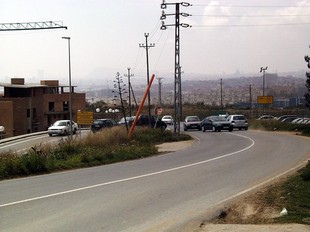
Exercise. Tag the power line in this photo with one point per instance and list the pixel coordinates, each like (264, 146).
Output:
(255, 25)
(244, 6)
(250, 16)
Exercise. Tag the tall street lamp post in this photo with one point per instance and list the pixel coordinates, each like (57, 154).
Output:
(70, 88)
(262, 69)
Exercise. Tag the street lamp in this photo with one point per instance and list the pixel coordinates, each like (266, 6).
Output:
(70, 96)
(263, 70)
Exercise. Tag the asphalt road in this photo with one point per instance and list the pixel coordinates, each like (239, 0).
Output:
(152, 194)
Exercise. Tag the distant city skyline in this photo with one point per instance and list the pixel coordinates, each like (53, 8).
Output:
(225, 38)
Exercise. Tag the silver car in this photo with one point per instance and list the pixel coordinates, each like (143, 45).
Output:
(238, 121)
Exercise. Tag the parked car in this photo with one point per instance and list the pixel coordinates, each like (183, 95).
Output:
(297, 120)
(216, 123)
(285, 116)
(289, 119)
(266, 117)
(129, 120)
(155, 122)
(238, 121)
(192, 122)
(168, 119)
(62, 127)
(102, 123)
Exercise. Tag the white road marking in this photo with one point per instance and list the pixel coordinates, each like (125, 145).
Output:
(133, 178)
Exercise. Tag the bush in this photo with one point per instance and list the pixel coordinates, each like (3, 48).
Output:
(305, 174)
(108, 146)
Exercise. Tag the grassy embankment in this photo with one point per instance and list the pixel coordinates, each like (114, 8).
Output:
(108, 146)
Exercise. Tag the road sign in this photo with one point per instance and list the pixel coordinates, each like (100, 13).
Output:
(85, 117)
(264, 99)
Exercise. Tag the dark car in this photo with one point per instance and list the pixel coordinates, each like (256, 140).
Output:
(154, 122)
(216, 123)
(192, 122)
(100, 124)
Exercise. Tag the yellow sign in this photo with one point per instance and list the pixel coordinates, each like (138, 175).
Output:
(264, 99)
(85, 117)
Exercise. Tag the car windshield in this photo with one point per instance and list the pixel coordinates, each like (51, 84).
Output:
(60, 123)
(239, 117)
(217, 118)
(192, 119)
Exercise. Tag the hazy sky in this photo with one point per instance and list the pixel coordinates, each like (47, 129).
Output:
(226, 37)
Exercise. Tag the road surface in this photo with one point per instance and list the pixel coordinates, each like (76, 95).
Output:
(159, 193)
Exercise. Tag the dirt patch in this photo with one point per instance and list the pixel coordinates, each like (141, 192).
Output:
(253, 212)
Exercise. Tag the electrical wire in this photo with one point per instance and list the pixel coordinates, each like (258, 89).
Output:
(244, 6)
(255, 25)
(250, 16)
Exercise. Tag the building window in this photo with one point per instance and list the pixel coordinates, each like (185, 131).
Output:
(65, 106)
(51, 106)
(28, 113)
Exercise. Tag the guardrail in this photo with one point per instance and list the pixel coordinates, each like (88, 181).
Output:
(21, 136)
(28, 135)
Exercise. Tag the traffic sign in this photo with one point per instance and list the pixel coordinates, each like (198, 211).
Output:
(264, 99)
(85, 117)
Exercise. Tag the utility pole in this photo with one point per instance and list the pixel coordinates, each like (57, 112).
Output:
(263, 70)
(147, 46)
(177, 66)
(221, 94)
(159, 90)
(251, 109)
(129, 89)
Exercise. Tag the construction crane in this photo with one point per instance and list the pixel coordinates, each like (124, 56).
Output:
(31, 26)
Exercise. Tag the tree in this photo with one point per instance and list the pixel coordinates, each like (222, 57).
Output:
(307, 94)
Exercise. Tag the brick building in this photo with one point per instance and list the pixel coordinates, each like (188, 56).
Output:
(28, 108)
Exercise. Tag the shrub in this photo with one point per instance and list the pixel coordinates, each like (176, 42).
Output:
(305, 174)
(108, 146)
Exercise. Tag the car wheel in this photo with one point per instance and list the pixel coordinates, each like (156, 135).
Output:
(219, 130)
(239, 128)
(74, 131)
(65, 132)
(185, 129)
(246, 128)
(203, 129)
(230, 129)
(199, 128)
(50, 135)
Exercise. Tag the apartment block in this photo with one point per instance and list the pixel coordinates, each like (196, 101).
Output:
(27, 108)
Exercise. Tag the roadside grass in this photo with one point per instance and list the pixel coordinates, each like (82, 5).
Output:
(294, 195)
(264, 206)
(105, 147)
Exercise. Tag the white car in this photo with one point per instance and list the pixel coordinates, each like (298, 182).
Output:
(168, 119)
(62, 127)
